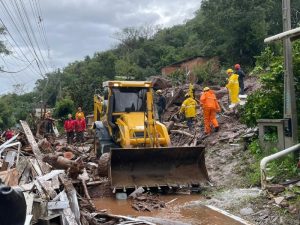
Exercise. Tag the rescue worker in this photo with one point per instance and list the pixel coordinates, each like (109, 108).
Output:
(9, 134)
(80, 126)
(210, 106)
(69, 126)
(188, 107)
(161, 105)
(79, 113)
(233, 87)
(241, 74)
(49, 122)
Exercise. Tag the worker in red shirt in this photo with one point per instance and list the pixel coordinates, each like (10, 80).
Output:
(9, 134)
(80, 127)
(69, 126)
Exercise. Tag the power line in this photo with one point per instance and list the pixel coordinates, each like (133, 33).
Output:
(18, 70)
(41, 22)
(18, 30)
(35, 71)
(18, 59)
(38, 19)
(39, 62)
(33, 34)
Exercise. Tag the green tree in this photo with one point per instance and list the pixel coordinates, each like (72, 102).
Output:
(3, 49)
(6, 118)
(267, 102)
(233, 29)
(64, 107)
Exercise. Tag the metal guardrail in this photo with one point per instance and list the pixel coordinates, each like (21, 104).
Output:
(264, 162)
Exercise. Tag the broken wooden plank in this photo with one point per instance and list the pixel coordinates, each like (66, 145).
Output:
(72, 196)
(55, 182)
(68, 215)
(9, 177)
(28, 219)
(40, 190)
(26, 187)
(58, 205)
(47, 188)
(35, 148)
(182, 132)
(29, 202)
(36, 167)
(52, 174)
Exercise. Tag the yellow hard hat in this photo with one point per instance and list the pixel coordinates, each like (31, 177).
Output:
(206, 89)
(229, 71)
(158, 91)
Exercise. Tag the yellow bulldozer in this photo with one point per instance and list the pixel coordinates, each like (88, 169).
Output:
(134, 149)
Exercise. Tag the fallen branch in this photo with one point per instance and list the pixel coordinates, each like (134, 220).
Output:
(182, 132)
(86, 192)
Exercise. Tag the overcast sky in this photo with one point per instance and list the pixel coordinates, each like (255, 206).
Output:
(76, 28)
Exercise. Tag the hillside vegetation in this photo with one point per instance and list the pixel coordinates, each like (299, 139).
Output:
(233, 30)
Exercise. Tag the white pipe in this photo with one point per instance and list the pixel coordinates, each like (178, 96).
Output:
(264, 161)
(10, 145)
(9, 141)
(286, 34)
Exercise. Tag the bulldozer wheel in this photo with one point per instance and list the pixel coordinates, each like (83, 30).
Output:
(103, 165)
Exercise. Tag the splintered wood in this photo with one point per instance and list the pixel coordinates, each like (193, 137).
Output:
(35, 148)
(147, 202)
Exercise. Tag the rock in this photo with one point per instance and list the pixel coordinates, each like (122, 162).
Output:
(278, 200)
(138, 191)
(289, 196)
(298, 184)
(246, 211)
(284, 204)
(161, 83)
(275, 189)
(263, 217)
(293, 209)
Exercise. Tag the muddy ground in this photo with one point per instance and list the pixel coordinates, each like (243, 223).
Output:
(227, 160)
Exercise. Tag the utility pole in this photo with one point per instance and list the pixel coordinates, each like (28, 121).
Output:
(290, 111)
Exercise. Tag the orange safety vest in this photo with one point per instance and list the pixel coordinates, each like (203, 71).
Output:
(209, 100)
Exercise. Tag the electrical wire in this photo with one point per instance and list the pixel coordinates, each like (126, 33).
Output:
(1, 70)
(33, 34)
(8, 12)
(13, 39)
(28, 34)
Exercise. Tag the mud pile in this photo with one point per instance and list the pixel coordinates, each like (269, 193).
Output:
(230, 127)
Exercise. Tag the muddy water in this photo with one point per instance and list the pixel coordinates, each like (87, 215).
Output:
(179, 210)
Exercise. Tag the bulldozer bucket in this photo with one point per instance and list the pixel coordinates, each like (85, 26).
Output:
(157, 167)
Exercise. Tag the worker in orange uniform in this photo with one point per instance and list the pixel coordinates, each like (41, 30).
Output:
(79, 113)
(188, 107)
(233, 87)
(210, 106)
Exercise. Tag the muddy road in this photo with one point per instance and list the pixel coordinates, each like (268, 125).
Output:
(183, 209)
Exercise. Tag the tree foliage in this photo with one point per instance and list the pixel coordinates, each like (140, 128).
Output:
(267, 102)
(3, 48)
(64, 107)
(233, 30)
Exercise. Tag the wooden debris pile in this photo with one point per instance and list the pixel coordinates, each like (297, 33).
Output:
(147, 202)
(231, 130)
(56, 180)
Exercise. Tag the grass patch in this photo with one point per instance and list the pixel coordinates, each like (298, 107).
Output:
(281, 169)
